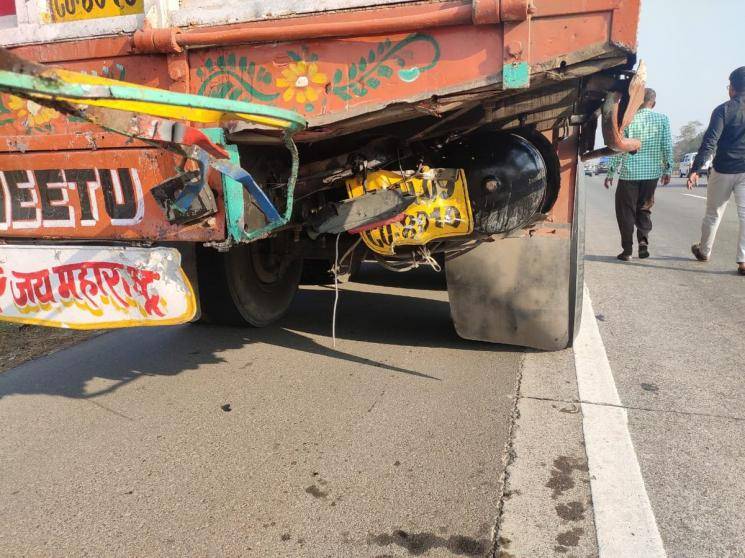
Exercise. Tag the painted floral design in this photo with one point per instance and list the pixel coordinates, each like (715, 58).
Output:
(302, 82)
(30, 114)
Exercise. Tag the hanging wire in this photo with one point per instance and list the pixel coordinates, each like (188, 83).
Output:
(335, 271)
(412, 263)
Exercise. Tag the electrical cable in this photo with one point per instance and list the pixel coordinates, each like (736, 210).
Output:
(335, 271)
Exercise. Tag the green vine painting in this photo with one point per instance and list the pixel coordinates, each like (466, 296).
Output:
(4, 113)
(302, 83)
(378, 65)
(228, 78)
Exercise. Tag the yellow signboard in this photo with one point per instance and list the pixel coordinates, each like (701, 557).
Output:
(442, 208)
(73, 10)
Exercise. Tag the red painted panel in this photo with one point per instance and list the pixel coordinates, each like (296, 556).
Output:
(7, 7)
(102, 194)
(559, 36)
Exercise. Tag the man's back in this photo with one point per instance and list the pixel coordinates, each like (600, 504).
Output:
(655, 156)
(726, 135)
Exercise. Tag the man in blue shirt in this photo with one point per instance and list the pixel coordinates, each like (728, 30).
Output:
(726, 136)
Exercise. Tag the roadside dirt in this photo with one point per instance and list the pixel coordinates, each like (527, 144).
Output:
(21, 343)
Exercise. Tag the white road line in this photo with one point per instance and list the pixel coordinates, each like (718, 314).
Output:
(695, 196)
(624, 520)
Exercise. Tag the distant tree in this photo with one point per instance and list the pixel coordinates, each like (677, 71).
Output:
(689, 140)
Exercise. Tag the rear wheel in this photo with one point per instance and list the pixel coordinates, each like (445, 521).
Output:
(252, 284)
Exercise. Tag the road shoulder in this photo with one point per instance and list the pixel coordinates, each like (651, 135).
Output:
(547, 504)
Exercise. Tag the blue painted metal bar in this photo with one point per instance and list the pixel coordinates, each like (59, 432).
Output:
(244, 177)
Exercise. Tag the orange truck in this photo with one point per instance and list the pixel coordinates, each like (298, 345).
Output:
(444, 133)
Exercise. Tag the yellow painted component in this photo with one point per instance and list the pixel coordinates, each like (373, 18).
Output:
(205, 116)
(442, 208)
(92, 9)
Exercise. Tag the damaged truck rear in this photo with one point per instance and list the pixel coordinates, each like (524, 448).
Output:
(163, 161)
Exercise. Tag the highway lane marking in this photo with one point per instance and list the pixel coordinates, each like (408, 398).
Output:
(624, 520)
(695, 196)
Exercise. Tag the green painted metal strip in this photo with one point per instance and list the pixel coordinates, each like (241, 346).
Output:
(264, 231)
(232, 190)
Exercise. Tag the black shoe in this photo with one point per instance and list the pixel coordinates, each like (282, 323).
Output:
(643, 251)
(696, 249)
(624, 256)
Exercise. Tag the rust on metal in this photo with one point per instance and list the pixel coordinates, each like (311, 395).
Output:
(636, 90)
(148, 39)
(514, 10)
(388, 19)
(613, 123)
(612, 131)
(486, 12)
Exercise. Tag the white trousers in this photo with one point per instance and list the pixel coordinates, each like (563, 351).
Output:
(718, 192)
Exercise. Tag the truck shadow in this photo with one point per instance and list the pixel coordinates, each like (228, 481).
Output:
(423, 278)
(108, 362)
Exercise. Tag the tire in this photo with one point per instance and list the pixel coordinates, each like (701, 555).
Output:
(252, 284)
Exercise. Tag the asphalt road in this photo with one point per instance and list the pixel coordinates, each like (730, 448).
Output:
(673, 332)
(397, 441)
(389, 445)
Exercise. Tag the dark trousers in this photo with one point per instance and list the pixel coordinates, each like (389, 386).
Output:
(634, 201)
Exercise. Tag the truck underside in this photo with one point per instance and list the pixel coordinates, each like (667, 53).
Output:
(423, 148)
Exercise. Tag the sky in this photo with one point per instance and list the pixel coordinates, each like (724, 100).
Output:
(690, 48)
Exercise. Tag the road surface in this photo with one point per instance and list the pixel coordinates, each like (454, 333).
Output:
(673, 331)
(404, 440)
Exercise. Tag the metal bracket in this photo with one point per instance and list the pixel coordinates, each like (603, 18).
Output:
(237, 182)
(516, 15)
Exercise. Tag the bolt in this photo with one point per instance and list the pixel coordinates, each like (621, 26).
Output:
(515, 48)
(491, 184)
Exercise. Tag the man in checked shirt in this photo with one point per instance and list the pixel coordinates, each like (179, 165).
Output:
(640, 173)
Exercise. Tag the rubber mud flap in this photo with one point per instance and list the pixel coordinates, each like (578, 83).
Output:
(514, 291)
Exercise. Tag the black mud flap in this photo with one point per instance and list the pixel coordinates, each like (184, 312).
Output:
(523, 291)
(513, 291)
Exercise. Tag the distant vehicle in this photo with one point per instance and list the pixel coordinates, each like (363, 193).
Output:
(685, 165)
(590, 168)
(602, 166)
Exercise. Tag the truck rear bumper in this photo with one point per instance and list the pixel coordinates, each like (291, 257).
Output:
(94, 287)
(101, 194)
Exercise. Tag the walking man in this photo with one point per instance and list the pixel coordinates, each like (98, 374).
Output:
(640, 173)
(726, 136)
